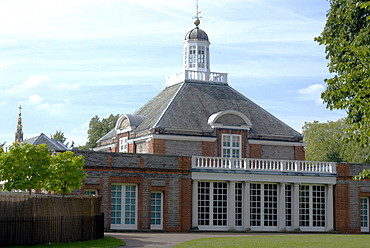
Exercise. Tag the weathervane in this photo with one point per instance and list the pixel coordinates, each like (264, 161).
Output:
(196, 16)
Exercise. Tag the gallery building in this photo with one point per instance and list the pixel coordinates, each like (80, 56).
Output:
(202, 156)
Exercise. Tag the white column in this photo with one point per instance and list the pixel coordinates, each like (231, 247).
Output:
(296, 206)
(281, 208)
(194, 215)
(329, 209)
(246, 205)
(231, 206)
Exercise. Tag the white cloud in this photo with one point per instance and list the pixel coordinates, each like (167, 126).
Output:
(312, 93)
(34, 99)
(54, 109)
(31, 83)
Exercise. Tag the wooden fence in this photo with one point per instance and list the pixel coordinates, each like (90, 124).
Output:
(30, 220)
(48, 205)
(50, 229)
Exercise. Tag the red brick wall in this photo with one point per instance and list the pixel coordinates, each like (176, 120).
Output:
(157, 146)
(185, 204)
(342, 208)
(131, 148)
(111, 169)
(343, 205)
(255, 151)
(299, 153)
(208, 149)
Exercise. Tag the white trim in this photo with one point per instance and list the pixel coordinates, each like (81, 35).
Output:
(134, 121)
(275, 143)
(231, 148)
(364, 214)
(218, 125)
(160, 226)
(123, 145)
(99, 148)
(213, 118)
(172, 137)
(122, 225)
(125, 130)
(262, 178)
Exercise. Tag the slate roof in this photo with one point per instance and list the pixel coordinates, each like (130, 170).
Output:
(188, 105)
(52, 144)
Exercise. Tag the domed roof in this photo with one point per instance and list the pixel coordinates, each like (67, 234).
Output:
(196, 34)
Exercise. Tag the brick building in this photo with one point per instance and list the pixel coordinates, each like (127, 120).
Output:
(200, 155)
(140, 192)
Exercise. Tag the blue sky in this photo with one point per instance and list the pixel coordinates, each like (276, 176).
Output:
(67, 61)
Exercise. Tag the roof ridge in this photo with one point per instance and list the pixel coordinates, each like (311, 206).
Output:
(169, 104)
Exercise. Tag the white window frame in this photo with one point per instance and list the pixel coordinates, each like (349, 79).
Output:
(215, 211)
(309, 206)
(123, 145)
(154, 211)
(118, 201)
(264, 206)
(239, 204)
(289, 205)
(364, 214)
(231, 148)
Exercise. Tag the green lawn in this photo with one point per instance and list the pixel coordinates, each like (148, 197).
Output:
(278, 241)
(107, 242)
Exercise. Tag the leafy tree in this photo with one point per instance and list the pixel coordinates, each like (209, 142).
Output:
(329, 142)
(59, 135)
(362, 175)
(25, 166)
(66, 172)
(98, 128)
(2, 144)
(346, 38)
(324, 141)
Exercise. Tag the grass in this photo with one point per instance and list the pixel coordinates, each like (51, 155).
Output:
(106, 242)
(286, 241)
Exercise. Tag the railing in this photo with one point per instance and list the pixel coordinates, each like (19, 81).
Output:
(16, 231)
(202, 76)
(262, 164)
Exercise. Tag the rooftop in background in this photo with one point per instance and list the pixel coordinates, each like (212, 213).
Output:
(52, 144)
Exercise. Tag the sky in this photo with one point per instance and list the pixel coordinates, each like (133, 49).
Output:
(66, 61)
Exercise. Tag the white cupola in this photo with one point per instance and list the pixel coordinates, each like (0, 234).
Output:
(196, 50)
(196, 60)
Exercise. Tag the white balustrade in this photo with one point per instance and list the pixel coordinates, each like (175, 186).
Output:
(262, 164)
(198, 76)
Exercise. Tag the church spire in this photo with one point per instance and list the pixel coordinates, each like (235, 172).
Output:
(19, 132)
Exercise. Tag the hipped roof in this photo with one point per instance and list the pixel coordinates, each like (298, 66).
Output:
(188, 105)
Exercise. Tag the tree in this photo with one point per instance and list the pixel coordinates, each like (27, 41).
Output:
(98, 128)
(329, 142)
(59, 135)
(2, 144)
(66, 172)
(25, 166)
(346, 38)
